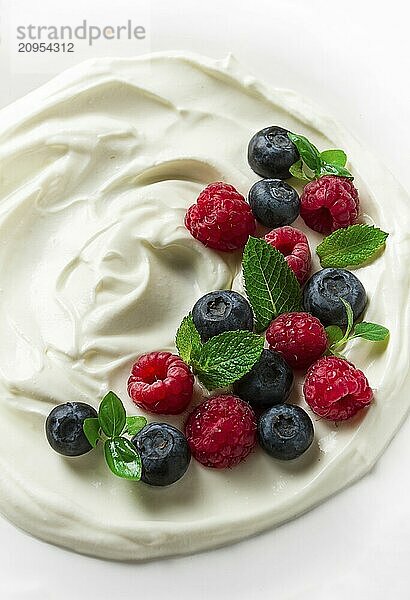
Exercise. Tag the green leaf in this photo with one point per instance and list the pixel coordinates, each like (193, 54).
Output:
(226, 357)
(111, 415)
(135, 424)
(296, 170)
(350, 318)
(334, 169)
(270, 284)
(122, 458)
(187, 341)
(334, 334)
(308, 152)
(91, 428)
(334, 157)
(371, 331)
(351, 246)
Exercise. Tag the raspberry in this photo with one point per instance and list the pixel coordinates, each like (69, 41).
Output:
(221, 218)
(221, 431)
(329, 203)
(335, 389)
(299, 337)
(160, 382)
(294, 245)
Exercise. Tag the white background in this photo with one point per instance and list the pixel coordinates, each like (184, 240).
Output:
(352, 58)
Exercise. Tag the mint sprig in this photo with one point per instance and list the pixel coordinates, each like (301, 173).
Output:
(337, 340)
(120, 454)
(271, 286)
(221, 360)
(352, 246)
(314, 164)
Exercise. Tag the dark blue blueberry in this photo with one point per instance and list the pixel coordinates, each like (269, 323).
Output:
(285, 431)
(271, 153)
(64, 428)
(322, 293)
(164, 452)
(269, 382)
(221, 311)
(274, 202)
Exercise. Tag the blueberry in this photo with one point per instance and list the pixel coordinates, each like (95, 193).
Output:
(64, 428)
(285, 431)
(164, 452)
(271, 153)
(274, 203)
(221, 311)
(322, 293)
(269, 382)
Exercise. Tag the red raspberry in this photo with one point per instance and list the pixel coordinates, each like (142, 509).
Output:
(221, 218)
(329, 203)
(335, 389)
(299, 337)
(160, 382)
(294, 245)
(221, 431)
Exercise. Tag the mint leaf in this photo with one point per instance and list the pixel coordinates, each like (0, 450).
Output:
(270, 284)
(187, 341)
(351, 246)
(350, 318)
(111, 415)
(370, 331)
(91, 428)
(334, 157)
(122, 458)
(226, 357)
(334, 334)
(334, 169)
(308, 152)
(135, 424)
(296, 170)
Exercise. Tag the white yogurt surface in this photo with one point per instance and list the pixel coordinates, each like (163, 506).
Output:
(97, 169)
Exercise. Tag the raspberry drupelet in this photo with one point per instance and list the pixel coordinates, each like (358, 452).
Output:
(161, 383)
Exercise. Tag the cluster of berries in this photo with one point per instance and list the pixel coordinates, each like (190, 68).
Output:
(221, 431)
(223, 220)
(224, 429)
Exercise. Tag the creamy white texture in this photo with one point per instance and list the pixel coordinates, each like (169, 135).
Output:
(97, 169)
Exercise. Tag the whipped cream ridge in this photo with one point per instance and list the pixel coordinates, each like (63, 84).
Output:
(97, 169)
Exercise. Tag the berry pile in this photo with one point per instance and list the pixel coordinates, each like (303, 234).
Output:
(216, 340)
